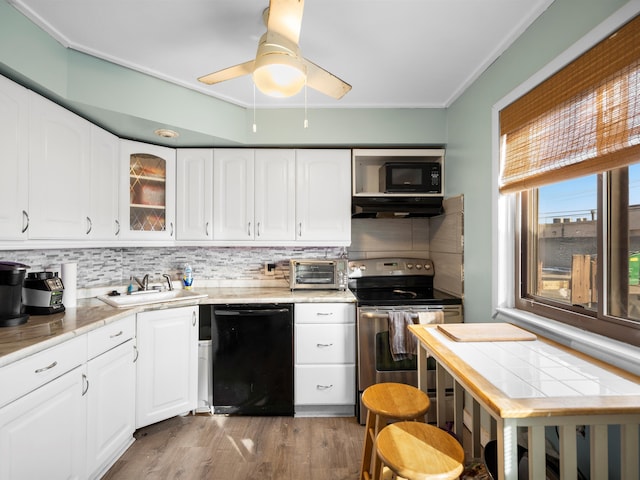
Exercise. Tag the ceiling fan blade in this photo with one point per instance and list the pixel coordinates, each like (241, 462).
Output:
(228, 73)
(285, 18)
(324, 82)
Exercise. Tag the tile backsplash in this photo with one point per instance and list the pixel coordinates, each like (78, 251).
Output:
(439, 238)
(103, 267)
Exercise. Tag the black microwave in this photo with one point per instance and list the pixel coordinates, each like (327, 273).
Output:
(416, 177)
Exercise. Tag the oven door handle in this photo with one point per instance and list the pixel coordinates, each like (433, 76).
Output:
(385, 315)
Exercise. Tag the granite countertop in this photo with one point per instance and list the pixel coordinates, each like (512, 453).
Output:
(44, 331)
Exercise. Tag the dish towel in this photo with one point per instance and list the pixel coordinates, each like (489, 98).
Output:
(430, 317)
(402, 343)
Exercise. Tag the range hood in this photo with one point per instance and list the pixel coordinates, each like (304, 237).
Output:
(395, 206)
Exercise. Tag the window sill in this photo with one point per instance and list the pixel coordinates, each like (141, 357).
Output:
(619, 354)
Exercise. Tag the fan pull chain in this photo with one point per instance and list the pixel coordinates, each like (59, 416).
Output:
(255, 127)
(306, 121)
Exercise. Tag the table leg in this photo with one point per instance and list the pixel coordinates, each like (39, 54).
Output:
(441, 396)
(537, 451)
(476, 444)
(599, 450)
(458, 409)
(422, 368)
(568, 452)
(507, 449)
(629, 450)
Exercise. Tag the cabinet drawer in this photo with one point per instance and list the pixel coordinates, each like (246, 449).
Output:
(111, 335)
(325, 343)
(325, 384)
(325, 313)
(25, 375)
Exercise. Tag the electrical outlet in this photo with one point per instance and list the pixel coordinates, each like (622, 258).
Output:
(269, 269)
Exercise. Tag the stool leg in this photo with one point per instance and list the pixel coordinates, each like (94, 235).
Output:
(376, 469)
(367, 449)
(377, 465)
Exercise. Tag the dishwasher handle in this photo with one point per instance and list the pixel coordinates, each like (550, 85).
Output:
(257, 312)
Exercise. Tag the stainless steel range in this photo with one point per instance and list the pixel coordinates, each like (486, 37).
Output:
(382, 287)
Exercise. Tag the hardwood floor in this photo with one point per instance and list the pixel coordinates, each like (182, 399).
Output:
(244, 448)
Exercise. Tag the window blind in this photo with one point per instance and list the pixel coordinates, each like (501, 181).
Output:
(584, 119)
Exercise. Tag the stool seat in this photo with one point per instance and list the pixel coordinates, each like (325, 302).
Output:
(418, 451)
(396, 400)
(388, 401)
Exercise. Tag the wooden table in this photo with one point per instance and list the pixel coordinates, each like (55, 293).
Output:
(534, 384)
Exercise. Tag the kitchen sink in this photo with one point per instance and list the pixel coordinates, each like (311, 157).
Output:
(149, 297)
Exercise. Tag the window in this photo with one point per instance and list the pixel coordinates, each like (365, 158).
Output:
(579, 252)
(570, 150)
(562, 245)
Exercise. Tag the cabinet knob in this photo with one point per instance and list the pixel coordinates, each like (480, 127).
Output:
(89, 225)
(117, 227)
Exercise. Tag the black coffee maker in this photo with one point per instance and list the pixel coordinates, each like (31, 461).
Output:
(11, 278)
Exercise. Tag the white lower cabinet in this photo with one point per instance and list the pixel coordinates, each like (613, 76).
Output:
(325, 355)
(43, 433)
(111, 375)
(70, 411)
(167, 365)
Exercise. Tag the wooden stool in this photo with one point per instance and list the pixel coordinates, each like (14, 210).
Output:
(418, 451)
(388, 401)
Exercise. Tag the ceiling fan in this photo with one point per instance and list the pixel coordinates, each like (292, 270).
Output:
(279, 69)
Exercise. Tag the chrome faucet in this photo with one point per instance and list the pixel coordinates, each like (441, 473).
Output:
(144, 284)
(168, 278)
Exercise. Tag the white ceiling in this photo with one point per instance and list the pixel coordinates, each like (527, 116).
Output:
(395, 53)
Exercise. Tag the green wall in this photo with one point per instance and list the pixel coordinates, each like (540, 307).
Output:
(469, 139)
(132, 105)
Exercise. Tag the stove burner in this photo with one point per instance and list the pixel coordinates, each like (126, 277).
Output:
(405, 293)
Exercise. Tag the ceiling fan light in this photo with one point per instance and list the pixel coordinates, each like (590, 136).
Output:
(279, 75)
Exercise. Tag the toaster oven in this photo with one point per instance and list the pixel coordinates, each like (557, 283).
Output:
(318, 274)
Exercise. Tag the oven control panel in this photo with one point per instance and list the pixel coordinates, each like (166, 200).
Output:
(390, 266)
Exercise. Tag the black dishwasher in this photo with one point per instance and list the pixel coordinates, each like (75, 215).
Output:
(252, 359)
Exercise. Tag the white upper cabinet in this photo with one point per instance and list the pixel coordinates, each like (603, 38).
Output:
(14, 149)
(105, 162)
(274, 201)
(254, 194)
(323, 196)
(147, 191)
(282, 195)
(194, 208)
(59, 169)
(233, 194)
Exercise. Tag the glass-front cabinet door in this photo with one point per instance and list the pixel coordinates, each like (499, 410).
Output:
(148, 191)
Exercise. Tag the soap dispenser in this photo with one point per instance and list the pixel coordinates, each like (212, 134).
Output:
(187, 277)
